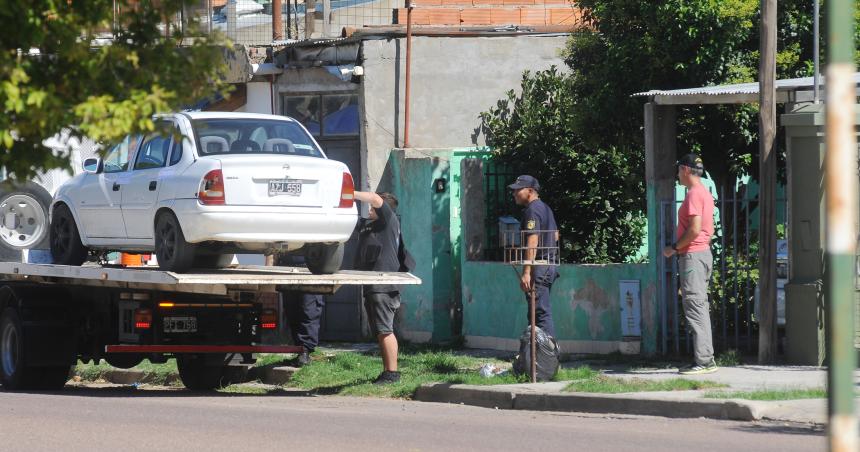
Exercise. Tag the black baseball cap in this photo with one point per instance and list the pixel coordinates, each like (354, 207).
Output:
(691, 161)
(525, 181)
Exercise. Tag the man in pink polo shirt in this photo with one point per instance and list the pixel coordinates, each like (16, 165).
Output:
(695, 263)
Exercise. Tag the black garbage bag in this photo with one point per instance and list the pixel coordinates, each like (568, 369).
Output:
(547, 355)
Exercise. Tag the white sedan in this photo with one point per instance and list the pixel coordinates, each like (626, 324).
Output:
(204, 186)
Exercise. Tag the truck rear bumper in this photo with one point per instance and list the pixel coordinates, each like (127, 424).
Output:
(203, 349)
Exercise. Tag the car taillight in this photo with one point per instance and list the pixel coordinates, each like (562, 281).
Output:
(142, 319)
(212, 188)
(347, 192)
(269, 320)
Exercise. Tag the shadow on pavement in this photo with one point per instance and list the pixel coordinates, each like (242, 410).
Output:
(768, 428)
(134, 391)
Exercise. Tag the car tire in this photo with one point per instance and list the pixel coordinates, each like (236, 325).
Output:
(14, 370)
(66, 246)
(324, 258)
(212, 260)
(27, 206)
(124, 360)
(201, 372)
(172, 251)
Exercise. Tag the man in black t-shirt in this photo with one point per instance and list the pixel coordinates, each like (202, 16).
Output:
(378, 244)
(541, 244)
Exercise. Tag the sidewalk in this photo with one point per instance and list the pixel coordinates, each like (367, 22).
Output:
(551, 396)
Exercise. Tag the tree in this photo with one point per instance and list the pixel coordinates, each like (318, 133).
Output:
(58, 72)
(633, 46)
(592, 190)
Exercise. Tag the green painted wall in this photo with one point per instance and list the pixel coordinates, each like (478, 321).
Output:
(410, 180)
(468, 298)
(585, 300)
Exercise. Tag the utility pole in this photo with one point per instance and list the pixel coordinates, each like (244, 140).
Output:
(767, 342)
(841, 182)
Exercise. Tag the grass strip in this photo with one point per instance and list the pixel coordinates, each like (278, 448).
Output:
(611, 385)
(766, 394)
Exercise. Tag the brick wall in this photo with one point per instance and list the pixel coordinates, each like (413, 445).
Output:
(491, 12)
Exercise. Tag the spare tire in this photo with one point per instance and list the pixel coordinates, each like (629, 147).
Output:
(24, 217)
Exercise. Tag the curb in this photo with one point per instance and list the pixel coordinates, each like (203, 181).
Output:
(737, 410)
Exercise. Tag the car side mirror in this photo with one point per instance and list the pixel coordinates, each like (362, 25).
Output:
(93, 165)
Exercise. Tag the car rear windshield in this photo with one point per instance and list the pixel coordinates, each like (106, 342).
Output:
(252, 136)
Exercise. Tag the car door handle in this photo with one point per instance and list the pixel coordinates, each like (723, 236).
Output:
(152, 185)
(116, 186)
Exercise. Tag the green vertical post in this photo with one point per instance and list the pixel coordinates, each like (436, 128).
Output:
(841, 181)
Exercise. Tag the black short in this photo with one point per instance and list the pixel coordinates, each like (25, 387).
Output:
(381, 308)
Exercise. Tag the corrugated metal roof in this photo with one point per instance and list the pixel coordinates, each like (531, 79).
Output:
(792, 84)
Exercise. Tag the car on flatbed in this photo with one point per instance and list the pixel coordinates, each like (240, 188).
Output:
(206, 185)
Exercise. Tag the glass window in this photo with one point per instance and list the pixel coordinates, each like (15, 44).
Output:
(306, 110)
(153, 153)
(256, 136)
(116, 159)
(176, 153)
(340, 114)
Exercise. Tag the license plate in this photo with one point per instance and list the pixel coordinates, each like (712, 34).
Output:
(285, 187)
(180, 324)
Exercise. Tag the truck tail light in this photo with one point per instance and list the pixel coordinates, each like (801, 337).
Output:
(212, 188)
(269, 320)
(142, 319)
(347, 192)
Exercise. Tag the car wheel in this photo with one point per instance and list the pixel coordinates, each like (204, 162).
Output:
(200, 372)
(14, 371)
(324, 258)
(24, 217)
(66, 246)
(212, 260)
(172, 251)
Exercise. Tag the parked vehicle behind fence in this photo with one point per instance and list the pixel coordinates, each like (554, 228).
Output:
(204, 186)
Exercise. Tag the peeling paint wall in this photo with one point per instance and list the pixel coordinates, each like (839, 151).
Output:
(585, 300)
(478, 299)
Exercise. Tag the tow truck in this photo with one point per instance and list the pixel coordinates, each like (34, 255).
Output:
(51, 316)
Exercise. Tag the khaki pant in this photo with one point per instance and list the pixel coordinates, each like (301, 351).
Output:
(695, 272)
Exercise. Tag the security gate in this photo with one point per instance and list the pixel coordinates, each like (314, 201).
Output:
(732, 289)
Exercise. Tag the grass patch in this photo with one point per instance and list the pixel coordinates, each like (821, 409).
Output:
(610, 385)
(264, 360)
(350, 373)
(247, 389)
(764, 394)
(728, 358)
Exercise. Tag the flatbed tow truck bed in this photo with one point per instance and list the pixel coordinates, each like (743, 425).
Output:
(220, 281)
(51, 316)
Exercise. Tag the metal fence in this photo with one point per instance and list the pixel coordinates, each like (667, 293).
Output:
(499, 203)
(732, 292)
(253, 22)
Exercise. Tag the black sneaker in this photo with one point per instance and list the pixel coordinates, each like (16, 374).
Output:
(387, 377)
(303, 359)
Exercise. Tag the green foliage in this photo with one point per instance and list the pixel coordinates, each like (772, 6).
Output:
(57, 72)
(594, 191)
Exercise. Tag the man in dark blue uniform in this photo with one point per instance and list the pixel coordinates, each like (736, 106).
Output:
(303, 311)
(541, 244)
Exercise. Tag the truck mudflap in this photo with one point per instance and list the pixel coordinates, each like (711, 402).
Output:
(203, 348)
